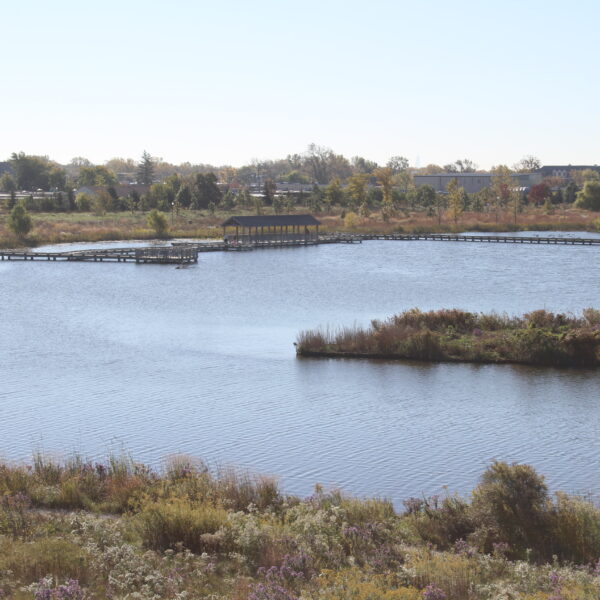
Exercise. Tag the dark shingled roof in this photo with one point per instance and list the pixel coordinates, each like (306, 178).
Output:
(270, 221)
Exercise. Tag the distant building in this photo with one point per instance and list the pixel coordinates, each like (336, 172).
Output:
(564, 171)
(473, 182)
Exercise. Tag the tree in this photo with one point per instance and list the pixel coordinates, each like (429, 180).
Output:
(89, 176)
(205, 191)
(440, 205)
(455, 199)
(502, 185)
(539, 193)
(431, 169)
(7, 184)
(384, 175)
(589, 197)
(296, 176)
(334, 193)
(357, 189)
(19, 221)
(145, 169)
(571, 192)
(57, 178)
(317, 160)
(397, 164)
(184, 197)
(31, 172)
(583, 175)
(269, 190)
(426, 196)
(158, 221)
(528, 164)
(464, 165)
(134, 200)
(362, 165)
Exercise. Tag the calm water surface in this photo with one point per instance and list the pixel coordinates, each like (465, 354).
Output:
(159, 360)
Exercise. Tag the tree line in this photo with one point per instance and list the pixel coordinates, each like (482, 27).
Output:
(317, 164)
(356, 185)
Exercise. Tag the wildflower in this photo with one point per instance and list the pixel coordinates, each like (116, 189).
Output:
(433, 592)
(71, 590)
(554, 578)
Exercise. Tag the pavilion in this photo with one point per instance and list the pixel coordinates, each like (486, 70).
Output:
(263, 228)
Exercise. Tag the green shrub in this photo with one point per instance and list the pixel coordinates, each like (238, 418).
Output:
(19, 221)
(158, 221)
(575, 529)
(511, 505)
(440, 523)
(83, 202)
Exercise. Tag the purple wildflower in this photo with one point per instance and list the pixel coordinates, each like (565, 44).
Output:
(71, 590)
(433, 592)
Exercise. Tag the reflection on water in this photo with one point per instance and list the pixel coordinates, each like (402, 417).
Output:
(200, 360)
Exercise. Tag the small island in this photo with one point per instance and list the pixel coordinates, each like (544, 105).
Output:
(452, 335)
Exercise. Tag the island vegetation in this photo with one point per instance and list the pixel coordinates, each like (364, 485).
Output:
(85, 530)
(537, 338)
(81, 201)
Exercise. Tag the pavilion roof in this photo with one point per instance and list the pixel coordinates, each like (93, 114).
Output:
(270, 221)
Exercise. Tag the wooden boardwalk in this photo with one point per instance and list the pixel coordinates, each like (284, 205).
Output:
(187, 252)
(492, 239)
(146, 255)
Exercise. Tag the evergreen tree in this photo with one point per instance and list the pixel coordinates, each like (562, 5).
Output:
(145, 173)
(19, 221)
(571, 192)
(183, 197)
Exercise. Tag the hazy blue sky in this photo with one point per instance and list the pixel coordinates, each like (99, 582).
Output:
(225, 82)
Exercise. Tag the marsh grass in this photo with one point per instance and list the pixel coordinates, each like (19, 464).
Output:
(539, 338)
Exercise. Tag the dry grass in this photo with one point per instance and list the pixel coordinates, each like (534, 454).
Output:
(51, 228)
(564, 218)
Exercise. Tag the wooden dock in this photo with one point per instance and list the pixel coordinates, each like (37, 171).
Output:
(492, 239)
(146, 255)
(187, 252)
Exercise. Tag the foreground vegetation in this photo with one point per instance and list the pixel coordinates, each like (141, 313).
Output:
(537, 338)
(121, 530)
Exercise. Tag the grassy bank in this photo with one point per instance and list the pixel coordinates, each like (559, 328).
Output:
(52, 228)
(124, 531)
(537, 338)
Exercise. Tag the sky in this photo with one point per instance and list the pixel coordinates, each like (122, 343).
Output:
(232, 81)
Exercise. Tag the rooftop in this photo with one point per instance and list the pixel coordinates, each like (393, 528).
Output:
(270, 221)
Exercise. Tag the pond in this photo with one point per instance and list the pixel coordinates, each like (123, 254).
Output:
(157, 360)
